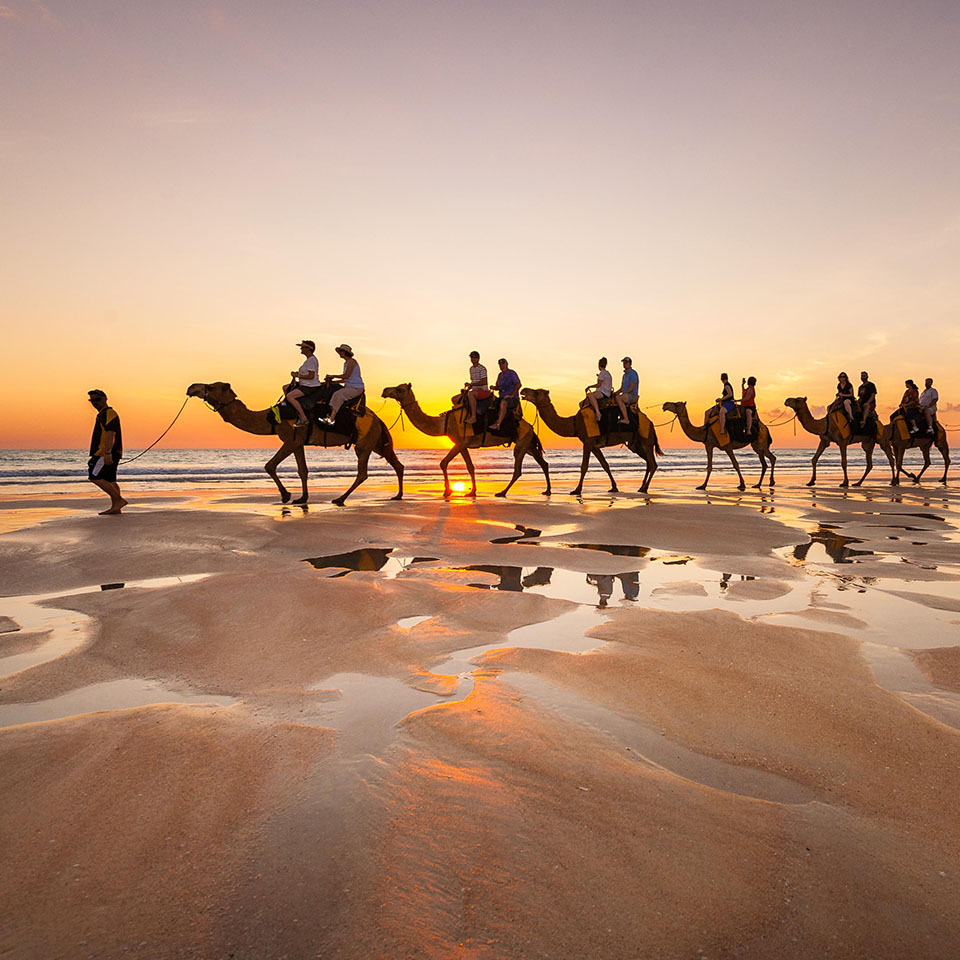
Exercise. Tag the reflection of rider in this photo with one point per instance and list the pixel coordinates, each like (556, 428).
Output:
(604, 584)
(630, 582)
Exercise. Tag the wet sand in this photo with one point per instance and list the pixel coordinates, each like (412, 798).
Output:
(678, 725)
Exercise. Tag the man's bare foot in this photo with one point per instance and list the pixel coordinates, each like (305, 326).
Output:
(112, 511)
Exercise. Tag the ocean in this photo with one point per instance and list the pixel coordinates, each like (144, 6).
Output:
(21, 470)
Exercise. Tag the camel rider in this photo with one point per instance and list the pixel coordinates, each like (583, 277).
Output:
(477, 387)
(306, 380)
(867, 398)
(352, 382)
(602, 388)
(629, 389)
(845, 394)
(928, 403)
(508, 389)
(748, 401)
(909, 406)
(725, 404)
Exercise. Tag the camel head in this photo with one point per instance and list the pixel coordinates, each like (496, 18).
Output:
(673, 406)
(535, 396)
(216, 394)
(795, 403)
(402, 393)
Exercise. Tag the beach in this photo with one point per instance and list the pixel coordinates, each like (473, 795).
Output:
(677, 725)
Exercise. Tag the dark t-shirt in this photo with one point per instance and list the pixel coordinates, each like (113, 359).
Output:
(507, 382)
(107, 420)
(865, 391)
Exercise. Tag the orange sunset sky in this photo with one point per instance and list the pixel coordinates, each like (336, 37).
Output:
(189, 188)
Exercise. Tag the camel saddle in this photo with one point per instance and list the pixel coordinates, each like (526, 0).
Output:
(352, 418)
(488, 409)
(736, 427)
(637, 421)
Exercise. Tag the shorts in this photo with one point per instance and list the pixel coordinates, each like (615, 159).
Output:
(729, 406)
(629, 398)
(98, 470)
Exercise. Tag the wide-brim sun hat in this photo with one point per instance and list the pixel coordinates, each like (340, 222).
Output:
(307, 343)
(344, 348)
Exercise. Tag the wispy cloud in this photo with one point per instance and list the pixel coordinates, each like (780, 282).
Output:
(8, 13)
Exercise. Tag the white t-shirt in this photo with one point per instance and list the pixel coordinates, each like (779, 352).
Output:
(311, 364)
(929, 398)
(605, 381)
(478, 376)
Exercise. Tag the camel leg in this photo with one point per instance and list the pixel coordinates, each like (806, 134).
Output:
(518, 456)
(763, 464)
(868, 451)
(824, 443)
(945, 453)
(584, 463)
(736, 466)
(926, 463)
(895, 482)
(598, 453)
(773, 464)
(649, 457)
(444, 463)
(706, 479)
(468, 460)
(843, 464)
(302, 470)
(271, 467)
(536, 451)
(391, 457)
(363, 458)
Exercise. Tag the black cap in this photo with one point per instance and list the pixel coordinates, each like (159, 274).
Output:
(97, 395)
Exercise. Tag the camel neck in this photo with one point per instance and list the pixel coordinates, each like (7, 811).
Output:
(424, 422)
(810, 423)
(238, 415)
(699, 434)
(561, 426)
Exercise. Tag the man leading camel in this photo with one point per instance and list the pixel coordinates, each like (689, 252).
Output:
(106, 449)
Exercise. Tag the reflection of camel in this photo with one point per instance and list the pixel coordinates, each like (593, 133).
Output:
(575, 426)
(708, 438)
(836, 545)
(448, 425)
(377, 440)
(900, 447)
(828, 432)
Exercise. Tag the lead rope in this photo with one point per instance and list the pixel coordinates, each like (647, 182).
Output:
(162, 435)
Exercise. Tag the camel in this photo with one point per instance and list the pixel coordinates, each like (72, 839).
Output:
(449, 425)
(647, 449)
(923, 444)
(377, 439)
(828, 432)
(708, 438)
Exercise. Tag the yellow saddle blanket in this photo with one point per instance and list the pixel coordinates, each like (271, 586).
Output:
(841, 423)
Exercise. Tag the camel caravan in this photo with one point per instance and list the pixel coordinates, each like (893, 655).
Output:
(332, 412)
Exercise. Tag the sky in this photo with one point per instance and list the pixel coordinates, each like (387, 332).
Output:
(187, 189)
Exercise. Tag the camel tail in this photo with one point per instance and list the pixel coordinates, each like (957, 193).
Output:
(656, 441)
